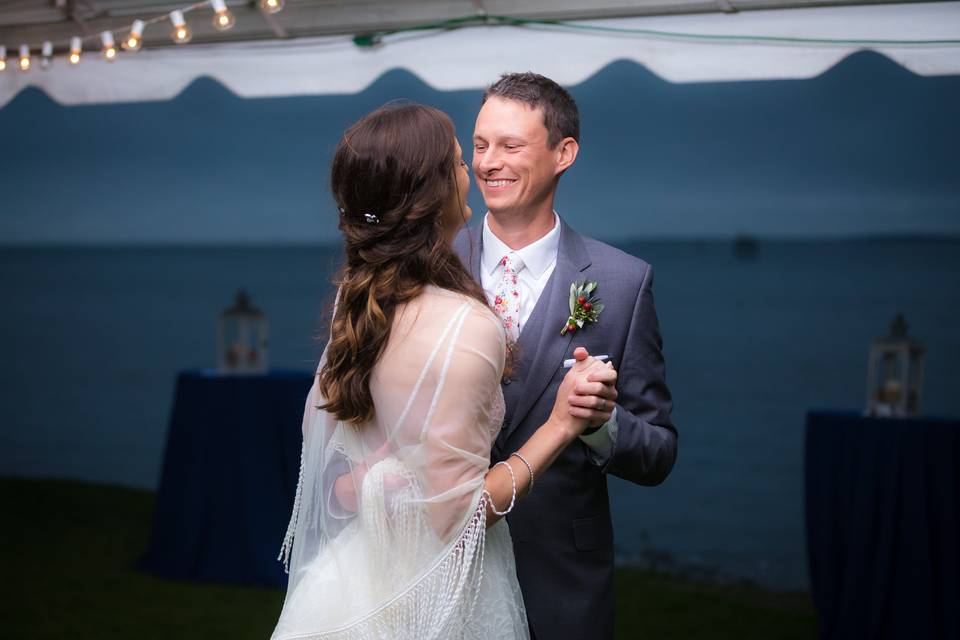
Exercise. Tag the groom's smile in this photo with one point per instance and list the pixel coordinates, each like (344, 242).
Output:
(513, 162)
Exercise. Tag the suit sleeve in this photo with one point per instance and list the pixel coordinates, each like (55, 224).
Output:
(645, 447)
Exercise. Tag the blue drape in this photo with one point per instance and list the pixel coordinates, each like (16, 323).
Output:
(229, 478)
(882, 508)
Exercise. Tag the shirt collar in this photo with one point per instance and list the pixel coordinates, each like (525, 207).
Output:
(537, 256)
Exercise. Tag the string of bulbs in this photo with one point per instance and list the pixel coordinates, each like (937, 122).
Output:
(180, 33)
(223, 20)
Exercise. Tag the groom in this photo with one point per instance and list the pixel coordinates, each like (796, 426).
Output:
(526, 136)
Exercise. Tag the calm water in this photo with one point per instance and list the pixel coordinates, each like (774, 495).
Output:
(94, 339)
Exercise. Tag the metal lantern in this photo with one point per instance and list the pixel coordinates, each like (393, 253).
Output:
(895, 373)
(242, 338)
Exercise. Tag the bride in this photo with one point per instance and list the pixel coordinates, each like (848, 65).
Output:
(396, 529)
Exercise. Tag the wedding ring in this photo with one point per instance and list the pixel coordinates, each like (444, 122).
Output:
(603, 404)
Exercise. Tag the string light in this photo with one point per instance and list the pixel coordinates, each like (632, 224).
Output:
(222, 18)
(134, 39)
(24, 58)
(109, 47)
(76, 46)
(271, 6)
(181, 32)
(46, 55)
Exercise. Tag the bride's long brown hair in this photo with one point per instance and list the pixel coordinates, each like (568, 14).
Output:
(393, 174)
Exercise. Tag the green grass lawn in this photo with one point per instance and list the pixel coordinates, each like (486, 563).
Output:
(67, 549)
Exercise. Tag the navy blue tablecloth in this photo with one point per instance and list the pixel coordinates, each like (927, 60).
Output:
(883, 526)
(229, 478)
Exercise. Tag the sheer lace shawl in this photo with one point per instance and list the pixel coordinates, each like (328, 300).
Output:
(388, 525)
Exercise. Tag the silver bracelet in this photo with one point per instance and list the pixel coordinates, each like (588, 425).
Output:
(529, 468)
(513, 498)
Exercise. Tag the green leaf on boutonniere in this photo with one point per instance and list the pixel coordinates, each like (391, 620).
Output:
(584, 308)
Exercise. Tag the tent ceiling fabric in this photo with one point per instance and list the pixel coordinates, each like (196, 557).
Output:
(33, 21)
(472, 57)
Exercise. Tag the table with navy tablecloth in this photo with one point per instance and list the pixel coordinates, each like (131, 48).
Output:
(883, 525)
(229, 477)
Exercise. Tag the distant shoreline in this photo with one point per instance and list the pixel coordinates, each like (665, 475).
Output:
(640, 240)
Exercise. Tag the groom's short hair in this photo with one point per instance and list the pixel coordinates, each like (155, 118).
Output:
(561, 116)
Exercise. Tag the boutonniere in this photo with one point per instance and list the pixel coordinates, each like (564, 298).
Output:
(584, 307)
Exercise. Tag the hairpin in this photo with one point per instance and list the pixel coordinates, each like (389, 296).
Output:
(371, 218)
(342, 211)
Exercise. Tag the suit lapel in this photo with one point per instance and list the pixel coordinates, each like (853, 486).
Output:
(470, 255)
(541, 346)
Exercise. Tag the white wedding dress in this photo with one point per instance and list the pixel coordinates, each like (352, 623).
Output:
(388, 537)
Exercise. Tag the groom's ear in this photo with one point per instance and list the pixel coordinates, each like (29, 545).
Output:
(566, 153)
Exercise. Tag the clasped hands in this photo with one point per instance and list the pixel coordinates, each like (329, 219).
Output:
(593, 396)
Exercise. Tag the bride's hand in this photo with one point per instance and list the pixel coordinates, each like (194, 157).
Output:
(596, 400)
(562, 415)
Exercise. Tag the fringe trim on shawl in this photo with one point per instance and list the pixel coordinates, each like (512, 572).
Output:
(287, 546)
(438, 606)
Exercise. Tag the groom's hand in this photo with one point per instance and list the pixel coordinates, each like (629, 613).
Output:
(596, 398)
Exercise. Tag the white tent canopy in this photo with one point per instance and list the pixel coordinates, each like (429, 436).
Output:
(678, 48)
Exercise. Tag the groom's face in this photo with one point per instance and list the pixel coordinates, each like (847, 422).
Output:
(516, 169)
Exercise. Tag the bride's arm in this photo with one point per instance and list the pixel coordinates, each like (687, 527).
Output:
(458, 443)
(345, 488)
(458, 436)
(542, 448)
(346, 485)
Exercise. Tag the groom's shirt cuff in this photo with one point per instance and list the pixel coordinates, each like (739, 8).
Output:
(600, 442)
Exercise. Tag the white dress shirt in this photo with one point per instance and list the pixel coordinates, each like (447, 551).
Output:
(539, 260)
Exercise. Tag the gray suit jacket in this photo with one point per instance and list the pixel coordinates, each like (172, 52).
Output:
(562, 533)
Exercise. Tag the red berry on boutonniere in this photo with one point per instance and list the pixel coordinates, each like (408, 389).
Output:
(584, 308)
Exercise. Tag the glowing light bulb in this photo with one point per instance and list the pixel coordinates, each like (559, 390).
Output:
(3, 58)
(76, 46)
(181, 32)
(24, 58)
(222, 18)
(46, 55)
(271, 6)
(109, 46)
(134, 40)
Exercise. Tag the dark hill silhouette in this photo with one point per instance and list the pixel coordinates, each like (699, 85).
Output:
(867, 147)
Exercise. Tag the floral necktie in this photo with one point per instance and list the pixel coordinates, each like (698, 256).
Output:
(506, 298)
